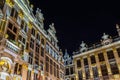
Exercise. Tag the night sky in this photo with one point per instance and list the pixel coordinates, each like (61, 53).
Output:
(77, 21)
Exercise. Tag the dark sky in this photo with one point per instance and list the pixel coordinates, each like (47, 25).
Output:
(80, 20)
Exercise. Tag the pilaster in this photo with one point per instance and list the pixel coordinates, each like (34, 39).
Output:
(107, 65)
(90, 68)
(98, 66)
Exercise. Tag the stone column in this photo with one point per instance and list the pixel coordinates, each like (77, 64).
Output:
(98, 66)
(90, 68)
(117, 59)
(76, 69)
(107, 65)
(83, 69)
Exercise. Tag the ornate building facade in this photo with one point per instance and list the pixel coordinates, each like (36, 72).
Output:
(100, 61)
(27, 50)
(69, 67)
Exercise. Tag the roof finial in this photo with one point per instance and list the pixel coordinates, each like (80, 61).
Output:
(117, 26)
(65, 50)
(118, 29)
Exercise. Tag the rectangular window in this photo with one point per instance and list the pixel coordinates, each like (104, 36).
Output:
(22, 39)
(80, 75)
(37, 48)
(104, 70)
(101, 57)
(32, 43)
(30, 58)
(57, 71)
(114, 68)
(67, 71)
(47, 63)
(12, 12)
(78, 63)
(71, 70)
(87, 73)
(118, 51)
(24, 26)
(92, 59)
(42, 51)
(38, 37)
(42, 41)
(95, 72)
(51, 62)
(85, 61)
(11, 31)
(110, 54)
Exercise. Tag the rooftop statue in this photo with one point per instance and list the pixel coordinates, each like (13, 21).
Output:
(105, 36)
(83, 47)
(52, 29)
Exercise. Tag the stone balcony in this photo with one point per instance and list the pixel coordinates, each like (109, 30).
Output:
(9, 47)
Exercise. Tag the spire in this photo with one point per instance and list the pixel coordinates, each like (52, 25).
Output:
(66, 54)
(118, 29)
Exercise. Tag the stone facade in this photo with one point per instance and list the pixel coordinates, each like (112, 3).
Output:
(100, 61)
(27, 50)
(69, 67)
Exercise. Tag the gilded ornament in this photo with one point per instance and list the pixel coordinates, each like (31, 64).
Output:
(10, 2)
